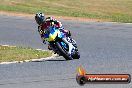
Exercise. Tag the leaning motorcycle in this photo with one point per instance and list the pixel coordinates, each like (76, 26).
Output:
(61, 44)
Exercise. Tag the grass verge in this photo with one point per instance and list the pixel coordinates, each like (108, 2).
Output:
(111, 10)
(9, 54)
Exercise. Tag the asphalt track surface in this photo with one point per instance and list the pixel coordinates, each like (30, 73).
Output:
(104, 47)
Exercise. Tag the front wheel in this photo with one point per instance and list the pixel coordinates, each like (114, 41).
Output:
(63, 52)
(76, 55)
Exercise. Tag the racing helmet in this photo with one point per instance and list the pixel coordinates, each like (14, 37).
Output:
(40, 18)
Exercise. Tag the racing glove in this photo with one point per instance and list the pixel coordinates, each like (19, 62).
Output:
(43, 39)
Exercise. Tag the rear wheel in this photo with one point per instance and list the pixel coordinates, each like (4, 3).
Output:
(63, 52)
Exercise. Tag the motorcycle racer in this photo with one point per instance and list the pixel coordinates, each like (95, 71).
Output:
(45, 22)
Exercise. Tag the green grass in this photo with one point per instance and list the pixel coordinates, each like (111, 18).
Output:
(8, 54)
(111, 10)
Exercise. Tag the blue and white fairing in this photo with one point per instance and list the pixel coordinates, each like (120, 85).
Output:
(52, 33)
(71, 47)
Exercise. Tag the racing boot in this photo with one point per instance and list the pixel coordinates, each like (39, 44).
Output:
(49, 47)
(68, 33)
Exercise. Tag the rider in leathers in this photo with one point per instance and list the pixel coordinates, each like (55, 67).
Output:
(44, 23)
